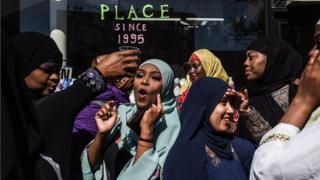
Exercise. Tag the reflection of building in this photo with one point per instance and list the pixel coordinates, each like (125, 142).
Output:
(223, 26)
(88, 37)
(294, 20)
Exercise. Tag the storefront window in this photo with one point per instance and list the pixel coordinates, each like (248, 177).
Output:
(166, 29)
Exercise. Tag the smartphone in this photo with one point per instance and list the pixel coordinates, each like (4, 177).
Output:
(134, 121)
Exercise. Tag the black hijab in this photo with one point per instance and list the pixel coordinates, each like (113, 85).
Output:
(187, 158)
(34, 49)
(20, 139)
(283, 65)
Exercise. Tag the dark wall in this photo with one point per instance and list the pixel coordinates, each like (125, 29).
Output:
(10, 16)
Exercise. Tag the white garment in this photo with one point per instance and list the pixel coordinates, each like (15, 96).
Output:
(295, 159)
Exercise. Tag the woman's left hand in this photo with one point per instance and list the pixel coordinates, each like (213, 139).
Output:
(152, 115)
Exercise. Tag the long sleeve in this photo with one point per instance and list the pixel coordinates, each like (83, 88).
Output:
(287, 153)
(144, 168)
(148, 163)
(87, 174)
(255, 125)
(56, 114)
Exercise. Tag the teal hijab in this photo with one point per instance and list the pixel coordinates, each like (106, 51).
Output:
(166, 130)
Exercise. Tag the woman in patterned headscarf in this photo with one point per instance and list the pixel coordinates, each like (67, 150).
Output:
(202, 63)
(273, 65)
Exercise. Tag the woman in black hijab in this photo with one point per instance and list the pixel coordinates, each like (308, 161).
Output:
(20, 138)
(40, 61)
(38, 145)
(57, 112)
(273, 65)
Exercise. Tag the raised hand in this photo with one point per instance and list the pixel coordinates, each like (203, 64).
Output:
(106, 117)
(241, 99)
(308, 90)
(118, 64)
(152, 115)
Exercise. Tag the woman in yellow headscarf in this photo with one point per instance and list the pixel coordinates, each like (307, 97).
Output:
(201, 63)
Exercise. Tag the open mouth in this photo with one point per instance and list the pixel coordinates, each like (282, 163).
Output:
(142, 93)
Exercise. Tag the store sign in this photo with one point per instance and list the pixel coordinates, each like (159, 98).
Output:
(132, 32)
(146, 12)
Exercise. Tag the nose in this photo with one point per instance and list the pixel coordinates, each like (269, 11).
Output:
(191, 70)
(54, 77)
(230, 109)
(145, 81)
(246, 62)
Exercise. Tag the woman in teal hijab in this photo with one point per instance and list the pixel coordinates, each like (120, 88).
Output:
(150, 136)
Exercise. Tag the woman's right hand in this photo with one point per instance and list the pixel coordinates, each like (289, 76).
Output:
(106, 117)
(152, 115)
(150, 118)
(241, 99)
(118, 64)
(308, 91)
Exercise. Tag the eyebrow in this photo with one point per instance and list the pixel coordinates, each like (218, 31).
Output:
(250, 53)
(152, 72)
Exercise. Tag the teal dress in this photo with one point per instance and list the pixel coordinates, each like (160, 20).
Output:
(166, 132)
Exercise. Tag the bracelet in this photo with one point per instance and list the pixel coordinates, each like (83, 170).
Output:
(145, 144)
(146, 140)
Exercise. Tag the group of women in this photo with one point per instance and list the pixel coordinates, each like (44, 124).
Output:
(157, 137)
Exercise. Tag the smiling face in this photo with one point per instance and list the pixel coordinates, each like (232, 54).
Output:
(147, 84)
(44, 79)
(255, 64)
(222, 117)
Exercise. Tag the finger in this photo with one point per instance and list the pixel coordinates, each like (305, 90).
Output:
(311, 60)
(318, 59)
(312, 50)
(229, 89)
(111, 103)
(130, 66)
(104, 110)
(114, 109)
(129, 52)
(107, 107)
(246, 93)
(313, 56)
(99, 113)
(159, 103)
(231, 93)
(100, 58)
